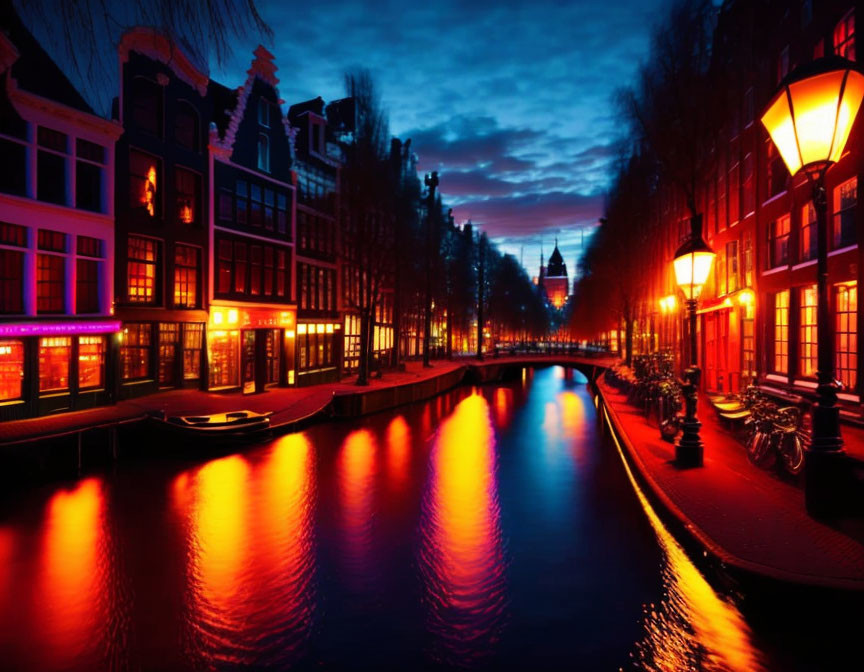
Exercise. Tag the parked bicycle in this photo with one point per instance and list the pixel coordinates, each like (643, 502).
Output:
(776, 432)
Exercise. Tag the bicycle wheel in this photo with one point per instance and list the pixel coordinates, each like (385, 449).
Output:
(762, 453)
(792, 451)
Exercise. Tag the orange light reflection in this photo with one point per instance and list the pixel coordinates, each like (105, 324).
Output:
(356, 471)
(461, 556)
(398, 453)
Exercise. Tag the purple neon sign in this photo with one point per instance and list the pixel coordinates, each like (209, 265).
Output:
(59, 328)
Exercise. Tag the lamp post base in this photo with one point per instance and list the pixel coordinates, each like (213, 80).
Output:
(826, 486)
(689, 450)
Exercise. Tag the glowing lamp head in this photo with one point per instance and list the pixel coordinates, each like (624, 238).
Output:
(692, 262)
(811, 116)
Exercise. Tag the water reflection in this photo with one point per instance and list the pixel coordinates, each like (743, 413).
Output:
(398, 453)
(73, 584)
(693, 628)
(356, 473)
(461, 555)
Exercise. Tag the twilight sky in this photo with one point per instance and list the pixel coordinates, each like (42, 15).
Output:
(509, 101)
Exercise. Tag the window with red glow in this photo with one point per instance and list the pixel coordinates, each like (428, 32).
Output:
(11, 282)
(846, 333)
(50, 283)
(186, 276)
(145, 180)
(54, 356)
(91, 361)
(807, 330)
(781, 332)
(87, 286)
(778, 252)
(11, 369)
(240, 267)
(845, 200)
(51, 241)
(734, 201)
(844, 36)
(142, 259)
(255, 259)
(135, 350)
(169, 337)
(808, 232)
(188, 189)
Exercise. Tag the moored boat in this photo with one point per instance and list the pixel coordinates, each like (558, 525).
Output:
(234, 425)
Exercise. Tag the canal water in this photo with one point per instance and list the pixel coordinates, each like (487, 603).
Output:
(490, 528)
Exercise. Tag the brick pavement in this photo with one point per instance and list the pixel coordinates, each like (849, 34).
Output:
(747, 516)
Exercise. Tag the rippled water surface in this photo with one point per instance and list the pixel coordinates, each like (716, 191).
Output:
(488, 528)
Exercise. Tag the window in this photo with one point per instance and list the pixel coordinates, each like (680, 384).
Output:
(143, 256)
(185, 276)
(732, 266)
(844, 36)
(845, 199)
(749, 193)
(806, 12)
(50, 283)
(240, 267)
(91, 361)
(145, 176)
(12, 269)
(807, 329)
(263, 152)
(89, 167)
(54, 356)
(269, 209)
(781, 332)
(748, 343)
(777, 172)
(147, 106)
(226, 205)
(193, 342)
(281, 213)
(86, 286)
(223, 266)
(317, 347)
(51, 165)
(135, 350)
(778, 242)
(242, 202)
(748, 259)
(846, 333)
(186, 131)
(734, 186)
(721, 200)
(11, 369)
(169, 338)
(264, 113)
(255, 264)
(224, 349)
(808, 232)
(13, 149)
(259, 269)
(255, 218)
(187, 189)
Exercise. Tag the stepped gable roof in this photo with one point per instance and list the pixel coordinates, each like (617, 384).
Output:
(33, 69)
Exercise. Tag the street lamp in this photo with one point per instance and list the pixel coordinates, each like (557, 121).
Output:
(692, 265)
(809, 121)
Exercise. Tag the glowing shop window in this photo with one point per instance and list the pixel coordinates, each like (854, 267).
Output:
(54, 355)
(846, 333)
(91, 369)
(781, 332)
(808, 332)
(11, 369)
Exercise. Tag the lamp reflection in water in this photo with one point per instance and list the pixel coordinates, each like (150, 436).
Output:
(398, 454)
(461, 557)
(356, 472)
(694, 628)
(503, 406)
(214, 504)
(74, 584)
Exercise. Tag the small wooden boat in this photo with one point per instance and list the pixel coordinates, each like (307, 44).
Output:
(237, 425)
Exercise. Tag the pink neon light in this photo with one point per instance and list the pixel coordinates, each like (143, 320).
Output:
(59, 328)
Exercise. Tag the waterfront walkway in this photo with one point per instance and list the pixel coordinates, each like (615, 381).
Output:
(290, 405)
(748, 517)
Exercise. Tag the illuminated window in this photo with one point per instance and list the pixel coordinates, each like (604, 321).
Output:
(185, 276)
(11, 369)
(781, 331)
(263, 152)
(846, 333)
(50, 283)
(808, 232)
(255, 267)
(135, 350)
(51, 163)
(748, 259)
(778, 248)
(145, 180)
(845, 200)
(142, 258)
(186, 131)
(748, 343)
(807, 330)
(281, 273)
(224, 350)
(193, 343)
(54, 355)
(844, 36)
(732, 266)
(91, 361)
(169, 338)
(187, 189)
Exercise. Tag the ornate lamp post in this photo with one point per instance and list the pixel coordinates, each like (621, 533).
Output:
(692, 265)
(809, 121)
